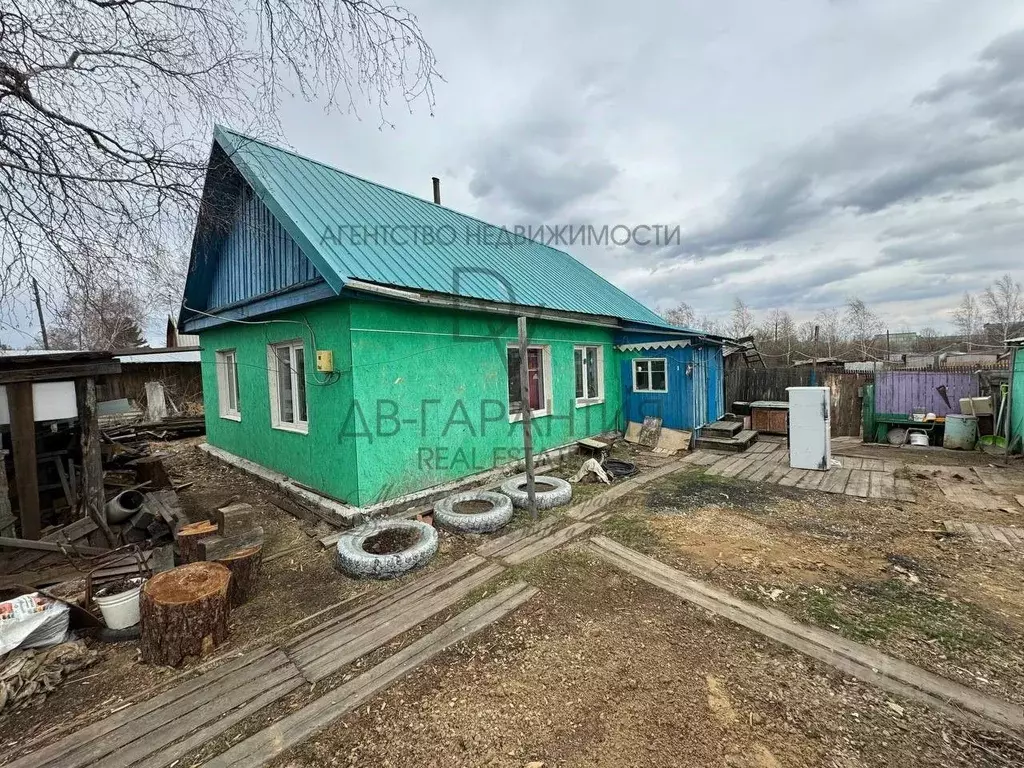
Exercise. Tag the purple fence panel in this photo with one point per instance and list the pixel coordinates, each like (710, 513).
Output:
(903, 391)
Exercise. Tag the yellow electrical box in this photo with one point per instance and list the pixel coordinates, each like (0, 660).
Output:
(325, 361)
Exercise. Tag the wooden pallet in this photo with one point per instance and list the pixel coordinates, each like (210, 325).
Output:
(849, 657)
(265, 745)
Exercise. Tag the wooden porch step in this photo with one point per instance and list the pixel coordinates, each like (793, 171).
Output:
(737, 444)
(722, 429)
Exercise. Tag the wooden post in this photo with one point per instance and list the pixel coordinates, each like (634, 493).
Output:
(39, 312)
(91, 486)
(524, 394)
(23, 440)
(6, 516)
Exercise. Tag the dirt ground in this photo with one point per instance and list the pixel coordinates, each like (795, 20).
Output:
(870, 569)
(600, 669)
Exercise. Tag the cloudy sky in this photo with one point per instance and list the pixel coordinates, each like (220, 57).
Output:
(809, 150)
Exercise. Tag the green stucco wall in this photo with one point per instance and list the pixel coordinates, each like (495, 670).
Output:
(319, 458)
(438, 380)
(422, 397)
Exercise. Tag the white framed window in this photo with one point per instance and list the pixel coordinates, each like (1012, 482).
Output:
(589, 367)
(538, 362)
(227, 384)
(286, 363)
(650, 374)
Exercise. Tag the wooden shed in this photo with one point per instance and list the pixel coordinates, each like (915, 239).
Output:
(41, 387)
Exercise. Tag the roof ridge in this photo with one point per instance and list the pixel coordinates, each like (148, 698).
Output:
(363, 179)
(231, 140)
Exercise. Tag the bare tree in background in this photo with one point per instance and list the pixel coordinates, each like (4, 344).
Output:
(708, 324)
(967, 318)
(742, 319)
(777, 336)
(106, 108)
(831, 330)
(97, 314)
(863, 324)
(681, 316)
(1004, 305)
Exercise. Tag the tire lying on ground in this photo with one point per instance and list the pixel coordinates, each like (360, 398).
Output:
(548, 491)
(384, 549)
(450, 513)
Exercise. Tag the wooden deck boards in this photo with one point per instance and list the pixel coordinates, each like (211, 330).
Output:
(322, 655)
(986, 535)
(265, 745)
(141, 729)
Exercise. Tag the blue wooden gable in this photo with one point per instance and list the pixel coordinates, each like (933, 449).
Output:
(257, 257)
(244, 260)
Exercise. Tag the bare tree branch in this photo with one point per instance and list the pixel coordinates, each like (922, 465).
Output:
(106, 108)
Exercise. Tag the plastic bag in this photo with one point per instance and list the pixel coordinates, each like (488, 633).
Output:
(32, 621)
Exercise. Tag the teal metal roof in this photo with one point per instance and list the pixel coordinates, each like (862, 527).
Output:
(332, 214)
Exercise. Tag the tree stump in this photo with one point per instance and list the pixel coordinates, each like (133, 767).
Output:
(189, 537)
(245, 567)
(184, 613)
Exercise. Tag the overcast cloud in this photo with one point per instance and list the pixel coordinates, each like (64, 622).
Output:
(808, 150)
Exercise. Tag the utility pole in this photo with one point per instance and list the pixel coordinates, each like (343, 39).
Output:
(524, 396)
(814, 359)
(39, 311)
(888, 347)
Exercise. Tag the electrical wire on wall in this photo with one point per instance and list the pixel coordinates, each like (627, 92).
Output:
(331, 378)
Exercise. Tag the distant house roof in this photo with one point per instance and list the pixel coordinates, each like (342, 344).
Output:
(355, 231)
(159, 355)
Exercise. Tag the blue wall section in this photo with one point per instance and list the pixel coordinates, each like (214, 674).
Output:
(257, 257)
(675, 407)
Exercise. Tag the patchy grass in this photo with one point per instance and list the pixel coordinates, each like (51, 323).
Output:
(688, 491)
(884, 610)
(632, 529)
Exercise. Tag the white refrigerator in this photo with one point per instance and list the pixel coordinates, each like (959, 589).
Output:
(810, 444)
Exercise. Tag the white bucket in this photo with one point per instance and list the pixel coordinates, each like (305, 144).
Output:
(120, 611)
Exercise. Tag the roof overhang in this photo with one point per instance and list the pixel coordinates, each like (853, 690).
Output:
(452, 301)
(649, 345)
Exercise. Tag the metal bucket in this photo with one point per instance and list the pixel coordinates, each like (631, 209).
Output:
(961, 432)
(918, 438)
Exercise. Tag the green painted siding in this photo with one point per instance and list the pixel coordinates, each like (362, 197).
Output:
(438, 381)
(422, 397)
(320, 458)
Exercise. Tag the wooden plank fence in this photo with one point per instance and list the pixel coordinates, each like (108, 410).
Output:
(847, 390)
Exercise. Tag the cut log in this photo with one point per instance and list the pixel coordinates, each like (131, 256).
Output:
(184, 613)
(218, 547)
(245, 568)
(189, 537)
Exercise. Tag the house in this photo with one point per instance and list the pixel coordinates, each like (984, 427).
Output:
(363, 341)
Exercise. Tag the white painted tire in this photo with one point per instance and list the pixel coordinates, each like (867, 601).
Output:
(515, 489)
(494, 518)
(353, 559)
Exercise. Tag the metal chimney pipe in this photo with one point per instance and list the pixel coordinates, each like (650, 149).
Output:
(437, 190)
